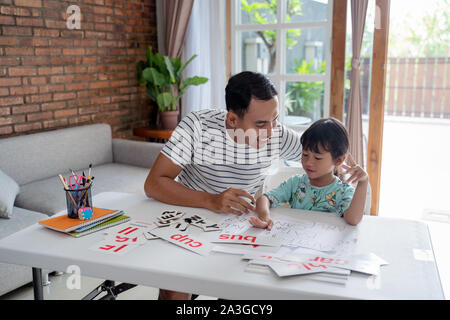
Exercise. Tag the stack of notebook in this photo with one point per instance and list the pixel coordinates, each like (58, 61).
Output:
(101, 219)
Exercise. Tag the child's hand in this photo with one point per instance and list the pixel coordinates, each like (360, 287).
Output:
(262, 209)
(357, 174)
(259, 223)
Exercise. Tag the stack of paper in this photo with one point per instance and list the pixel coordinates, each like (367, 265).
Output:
(326, 268)
(100, 225)
(319, 251)
(339, 237)
(102, 218)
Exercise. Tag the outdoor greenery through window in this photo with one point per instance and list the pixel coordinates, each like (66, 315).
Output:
(288, 40)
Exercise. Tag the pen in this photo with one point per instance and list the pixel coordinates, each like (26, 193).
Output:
(67, 189)
(89, 173)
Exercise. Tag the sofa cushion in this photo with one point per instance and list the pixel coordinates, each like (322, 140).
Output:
(8, 192)
(13, 276)
(48, 195)
(20, 219)
(38, 156)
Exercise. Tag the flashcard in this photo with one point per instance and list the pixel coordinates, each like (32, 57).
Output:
(202, 223)
(170, 216)
(180, 225)
(211, 227)
(363, 263)
(116, 249)
(247, 239)
(185, 240)
(362, 266)
(131, 232)
(132, 228)
(370, 257)
(120, 239)
(160, 223)
(260, 257)
(150, 236)
(291, 269)
(239, 249)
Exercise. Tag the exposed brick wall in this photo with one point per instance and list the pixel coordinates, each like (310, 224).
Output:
(52, 77)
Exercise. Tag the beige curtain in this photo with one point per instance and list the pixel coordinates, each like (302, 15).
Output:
(354, 113)
(176, 15)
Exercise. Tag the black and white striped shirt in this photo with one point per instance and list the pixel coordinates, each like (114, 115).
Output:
(212, 162)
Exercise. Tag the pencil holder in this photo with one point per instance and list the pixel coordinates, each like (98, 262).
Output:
(79, 202)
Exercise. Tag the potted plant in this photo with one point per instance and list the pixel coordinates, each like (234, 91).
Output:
(165, 86)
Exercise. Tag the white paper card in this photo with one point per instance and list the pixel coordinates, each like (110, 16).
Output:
(238, 249)
(107, 247)
(290, 269)
(150, 236)
(262, 257)
(246, 239)
(337, 236)
(131, 228)
(185, 240)
(203, 223)
(137, 239)
(364, 263)
(168, 216)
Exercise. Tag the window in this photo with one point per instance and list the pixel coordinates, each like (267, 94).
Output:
(289, 41)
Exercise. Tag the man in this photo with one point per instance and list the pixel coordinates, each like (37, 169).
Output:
(217, 159)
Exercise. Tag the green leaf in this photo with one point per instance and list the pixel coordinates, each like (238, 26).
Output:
(164, 100)
(159, 64)
(176, 62)
(193, 81)
(169, 67)
(153, 76)
(186, 64)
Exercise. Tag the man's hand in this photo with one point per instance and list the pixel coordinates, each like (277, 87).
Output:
(231, 201)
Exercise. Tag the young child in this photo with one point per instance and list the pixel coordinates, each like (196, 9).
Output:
(324, 148)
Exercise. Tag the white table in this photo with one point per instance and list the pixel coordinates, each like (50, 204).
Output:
(405, 244)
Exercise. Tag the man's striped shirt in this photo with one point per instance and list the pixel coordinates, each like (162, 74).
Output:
(212, 161)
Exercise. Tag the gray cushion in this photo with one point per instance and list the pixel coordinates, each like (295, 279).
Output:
(48, 195)
(37, 156)
(13, 276)
(136, 153)
(8, 192)
(20, 219)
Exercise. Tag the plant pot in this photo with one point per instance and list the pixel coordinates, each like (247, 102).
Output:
(169, 119)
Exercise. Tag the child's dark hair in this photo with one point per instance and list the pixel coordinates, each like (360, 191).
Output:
(330, 134)
(244, 86)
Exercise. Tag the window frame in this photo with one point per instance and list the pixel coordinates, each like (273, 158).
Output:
(280, 77)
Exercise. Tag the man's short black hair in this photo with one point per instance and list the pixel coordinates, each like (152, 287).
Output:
(244, 86)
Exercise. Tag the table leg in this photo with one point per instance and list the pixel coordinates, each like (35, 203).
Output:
(37, 284)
